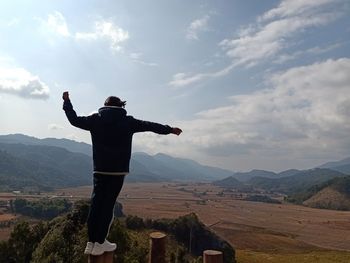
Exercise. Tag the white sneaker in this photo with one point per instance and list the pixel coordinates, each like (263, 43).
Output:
(99, 249)
(88, 248)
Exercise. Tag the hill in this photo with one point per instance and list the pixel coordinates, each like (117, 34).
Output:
(70, 145)
(342, 166)
(333, 194)
(36, 167)
(63, 239)
(295, 183)
(246, 176)
(231, 182)
(299, 181)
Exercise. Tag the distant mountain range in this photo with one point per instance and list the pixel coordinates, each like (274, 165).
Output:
(325, 187)
(290, 182)
(32, 163)
(70, 145)
(340, 166)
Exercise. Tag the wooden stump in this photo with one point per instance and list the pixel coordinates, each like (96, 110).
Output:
(157, 247)
(106, 257)
(212, 256)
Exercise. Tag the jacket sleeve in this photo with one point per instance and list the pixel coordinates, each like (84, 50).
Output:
(81, 122)
(143, 126)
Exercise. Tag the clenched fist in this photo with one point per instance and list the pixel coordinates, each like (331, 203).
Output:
(65, 95)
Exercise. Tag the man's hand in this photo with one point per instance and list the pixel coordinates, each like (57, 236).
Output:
(176, 131)
(65, 96)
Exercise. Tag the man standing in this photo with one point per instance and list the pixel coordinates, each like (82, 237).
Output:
(111, 133)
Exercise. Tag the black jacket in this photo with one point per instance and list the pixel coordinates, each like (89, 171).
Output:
(111, 132)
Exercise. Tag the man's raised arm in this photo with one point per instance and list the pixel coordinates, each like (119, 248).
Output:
(77, 121)
(143, 126)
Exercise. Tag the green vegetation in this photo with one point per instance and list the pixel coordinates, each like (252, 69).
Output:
(42, 209)
(41, 168)
(63, 239)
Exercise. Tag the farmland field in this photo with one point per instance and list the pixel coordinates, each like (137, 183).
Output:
(260, 232)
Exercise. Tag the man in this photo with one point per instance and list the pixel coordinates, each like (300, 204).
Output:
(111, 133)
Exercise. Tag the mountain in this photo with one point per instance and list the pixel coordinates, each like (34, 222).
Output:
(295, 183)
(66, 165)
(340, 166)
(20, 174)
(332, 194)
(245, 176)
(230, 182)
(178, 169)
(43, 166)
(70, 145)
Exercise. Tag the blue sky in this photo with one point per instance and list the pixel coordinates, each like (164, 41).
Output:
(253, 84)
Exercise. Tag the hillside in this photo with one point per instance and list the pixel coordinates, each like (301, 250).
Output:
(24, 174)
(42, 167)
(333, 194)
(63, 239)
(231, 182)
(340, 166)
(70, 145)
(19, 174)
(246, 176)
(299, 181)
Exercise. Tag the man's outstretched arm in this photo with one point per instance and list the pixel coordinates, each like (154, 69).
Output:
(77, 121)
(143, 126)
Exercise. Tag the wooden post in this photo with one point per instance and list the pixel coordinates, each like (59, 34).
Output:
(212, 256)
(157, 247)
(106, 257)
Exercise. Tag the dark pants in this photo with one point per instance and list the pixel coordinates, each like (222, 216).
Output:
(105, 192)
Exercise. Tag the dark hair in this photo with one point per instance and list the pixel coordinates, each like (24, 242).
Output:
(114, 101)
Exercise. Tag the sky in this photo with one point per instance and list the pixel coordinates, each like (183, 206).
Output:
(253, 84)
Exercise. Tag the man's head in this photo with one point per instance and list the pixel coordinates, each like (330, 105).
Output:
(115, 101)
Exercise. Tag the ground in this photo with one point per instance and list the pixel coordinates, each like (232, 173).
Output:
(260, 232)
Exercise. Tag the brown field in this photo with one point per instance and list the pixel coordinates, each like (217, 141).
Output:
(6, 217)
(260, 232)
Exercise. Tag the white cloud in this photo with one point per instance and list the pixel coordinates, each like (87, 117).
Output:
(102, 30)
(273, 37)
(273, 33)
(55, 23)
(311, 51)
(289, 8)
(137, 58)
(183, 79)
(302, 113)
(20, 82)
(13, 22)
(54, 126)
(197, 26)
(105, 30)
(305, 108)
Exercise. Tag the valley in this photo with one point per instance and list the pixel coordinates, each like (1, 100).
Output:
(257, 230)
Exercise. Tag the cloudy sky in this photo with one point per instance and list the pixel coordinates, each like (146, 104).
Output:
(253, 84)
